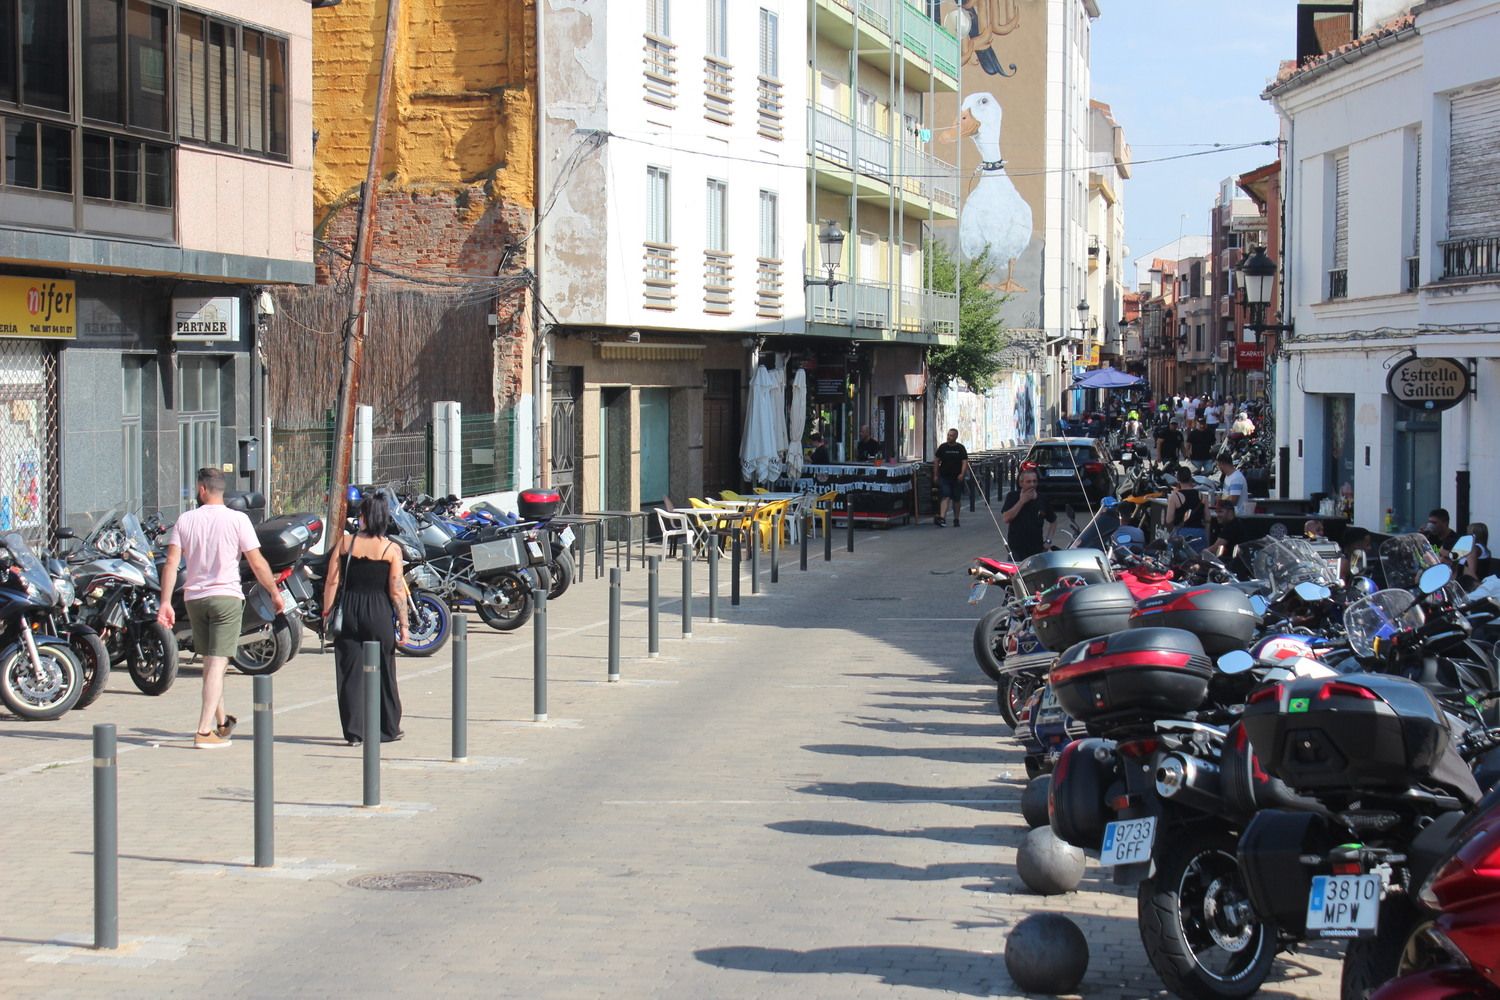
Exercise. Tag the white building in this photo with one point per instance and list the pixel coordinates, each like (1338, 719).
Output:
(1392, 247)
(1109, 169)
(674, 145)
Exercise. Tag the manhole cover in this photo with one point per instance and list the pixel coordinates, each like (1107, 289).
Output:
(414, 881)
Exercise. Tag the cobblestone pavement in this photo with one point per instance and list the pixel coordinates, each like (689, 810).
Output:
(814, 798)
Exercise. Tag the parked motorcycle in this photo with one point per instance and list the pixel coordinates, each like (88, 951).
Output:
(82, 638)
(40, 678)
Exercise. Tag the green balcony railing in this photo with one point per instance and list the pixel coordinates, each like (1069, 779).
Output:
(929, 40)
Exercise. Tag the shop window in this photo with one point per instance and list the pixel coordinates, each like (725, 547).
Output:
(125, 63)
(134, 457)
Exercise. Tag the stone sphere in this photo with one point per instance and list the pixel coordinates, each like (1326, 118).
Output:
(1047, 953)
(1047, 865)
(1034, 801)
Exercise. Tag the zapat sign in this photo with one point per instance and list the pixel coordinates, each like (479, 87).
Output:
(1428, 383)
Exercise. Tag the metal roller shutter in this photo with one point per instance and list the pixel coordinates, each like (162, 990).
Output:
(1341, 211)
(1474, 164)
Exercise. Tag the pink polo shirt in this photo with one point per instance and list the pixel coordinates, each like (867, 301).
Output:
(212, 538)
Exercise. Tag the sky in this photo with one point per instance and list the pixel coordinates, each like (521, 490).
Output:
(1183, 72)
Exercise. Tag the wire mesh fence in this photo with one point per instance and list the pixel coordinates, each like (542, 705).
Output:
(404, 460)
(301, 467)
(489, 443)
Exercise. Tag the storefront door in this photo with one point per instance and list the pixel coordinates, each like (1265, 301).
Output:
(197, 400)
(614, 449)
(566, 444)
(1338, 436)
(656, 446)
(721, 431)
(1419, 467)
(28, 439)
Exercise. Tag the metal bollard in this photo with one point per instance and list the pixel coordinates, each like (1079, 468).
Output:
(849, 522)
(970, 486)
(653, 607)
(265, 784)
(598, 549)
(754, 559)
(827, 541)
(372, 723)
(713, 578)
(802, 543)
(106, 839)
(776, 548)
(614, 625)
(539, 656)
(734, 579)
(460, 688)
(687, 598)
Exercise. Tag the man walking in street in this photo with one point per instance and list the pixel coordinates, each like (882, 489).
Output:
(1024, 513)
(210, 540)
(950, 467)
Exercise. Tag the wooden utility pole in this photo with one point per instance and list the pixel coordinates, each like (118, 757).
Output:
(359, 282)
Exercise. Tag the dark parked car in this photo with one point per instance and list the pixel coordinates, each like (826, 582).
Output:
(1071, 469)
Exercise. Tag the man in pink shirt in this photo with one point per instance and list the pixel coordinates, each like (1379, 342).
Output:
(210, 540)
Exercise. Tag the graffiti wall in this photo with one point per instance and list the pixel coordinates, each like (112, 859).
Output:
(1007, 416)
(997, 137)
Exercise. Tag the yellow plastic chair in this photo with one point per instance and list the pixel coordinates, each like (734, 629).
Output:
(764, 520)
(822, 509)
(730, 495)
(761, 490)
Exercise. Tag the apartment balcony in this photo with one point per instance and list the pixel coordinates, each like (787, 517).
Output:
(768, 109)
(1338, 283)
(921, 313)
(1413, 273)
(718, 282)
(718, 90)
(1471, 257)
(768, 291)
(875, 162)
(886, 31)
(660, 276)
(660, 71)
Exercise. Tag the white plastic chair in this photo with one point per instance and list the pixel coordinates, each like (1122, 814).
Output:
(676, 526)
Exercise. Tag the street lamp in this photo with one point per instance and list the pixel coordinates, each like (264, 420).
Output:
(1256, 276)
(831, 244)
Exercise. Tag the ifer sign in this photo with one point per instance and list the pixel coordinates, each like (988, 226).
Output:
(1430, 384)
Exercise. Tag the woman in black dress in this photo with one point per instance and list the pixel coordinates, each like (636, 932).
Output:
(374, 594)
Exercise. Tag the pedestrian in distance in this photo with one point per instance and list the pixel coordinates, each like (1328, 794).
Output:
(950, 467)
(1232, 484)
(1184, 514)
(1024, 514)
(366, 579)
(819, 454)
(1200, 441)
(209, 541)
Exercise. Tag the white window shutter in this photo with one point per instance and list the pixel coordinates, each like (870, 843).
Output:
(1341, 211)
(1474, 164)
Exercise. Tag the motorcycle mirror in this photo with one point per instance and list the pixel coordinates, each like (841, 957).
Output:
(1435, 578)
(1236, 661)
(1258, 605)
(1358, 561)
(66, 532)
(1460, 548)
(1311, 592)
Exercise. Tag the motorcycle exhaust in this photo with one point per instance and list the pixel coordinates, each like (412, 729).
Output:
(469, 590)
(1188, 780)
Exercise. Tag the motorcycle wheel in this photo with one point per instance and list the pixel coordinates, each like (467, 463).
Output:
(1370, 963)
(267, 655)
(563, 570)
(1016, 690)
(294, 630)
(46, 698)
(517, 609)
(985, 634)
(428, 626)
(1200, 933)
(93, 657)
(152, 658)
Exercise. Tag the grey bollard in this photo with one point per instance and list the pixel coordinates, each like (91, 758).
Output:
(372, 723)
(265, 784)
(687, 598)
(734, 569)
(653, 607)
(754, 559)
(802, 543)
(849, 522)
(539, 655)
(776, 549)
(106, 839)
(827, 541)
(614, 625)
(598, 549)
(460, 688)
(713, 578)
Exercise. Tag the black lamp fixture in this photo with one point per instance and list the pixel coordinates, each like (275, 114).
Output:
(1083, 318)
(1255, 278)
(831, 245)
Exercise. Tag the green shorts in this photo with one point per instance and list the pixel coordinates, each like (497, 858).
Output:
(216, 624)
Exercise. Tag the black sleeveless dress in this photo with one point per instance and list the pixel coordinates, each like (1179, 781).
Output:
(367, 618)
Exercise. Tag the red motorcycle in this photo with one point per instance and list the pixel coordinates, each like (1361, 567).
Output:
(1456, 956)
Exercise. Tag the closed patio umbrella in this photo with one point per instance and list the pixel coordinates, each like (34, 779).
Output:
(796, 420)
(764, 441)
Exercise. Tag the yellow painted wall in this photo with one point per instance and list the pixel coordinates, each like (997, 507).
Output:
(462, 100)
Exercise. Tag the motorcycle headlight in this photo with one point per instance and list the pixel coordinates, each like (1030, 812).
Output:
(66, 592)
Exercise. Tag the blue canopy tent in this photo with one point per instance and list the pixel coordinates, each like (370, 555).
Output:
(1107, 378)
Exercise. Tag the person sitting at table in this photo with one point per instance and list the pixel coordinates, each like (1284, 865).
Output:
(819, 454)
(1313, 530)
(868, 448)
(1227, 531)
(1355, 545)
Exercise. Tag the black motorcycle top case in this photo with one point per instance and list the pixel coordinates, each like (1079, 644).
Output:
(1045, 568)
(1358, 732)
(1132, 678)
(284, 539)
(1071, 616)
(538, 505)
(1220, 616)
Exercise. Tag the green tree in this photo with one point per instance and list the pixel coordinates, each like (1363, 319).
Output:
(981, 332)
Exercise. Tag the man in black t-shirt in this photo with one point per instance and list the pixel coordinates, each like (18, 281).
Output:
(1200, 442)
(1168, 443)
(1227, 531)
(950, 466)
(1024, 514)
(819, 454)
(868, 448)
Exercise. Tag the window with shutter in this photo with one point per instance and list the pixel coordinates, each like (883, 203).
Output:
(658, 21)
(770, 47)
(770, 242)
(1338, 274)
(718, 29)
(718, 208)
(658, 216)
(1416, 229)
(1474, 164)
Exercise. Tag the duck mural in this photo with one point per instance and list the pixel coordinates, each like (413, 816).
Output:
(995, 216)
(979, 24)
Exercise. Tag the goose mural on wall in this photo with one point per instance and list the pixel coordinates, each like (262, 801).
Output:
(994, 214)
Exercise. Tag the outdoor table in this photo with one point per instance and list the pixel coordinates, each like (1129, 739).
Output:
(628, 516)
(590, 524)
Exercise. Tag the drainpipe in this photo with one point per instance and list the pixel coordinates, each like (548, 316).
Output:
(539, 353)
(1465, 433)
